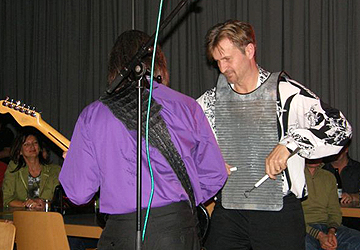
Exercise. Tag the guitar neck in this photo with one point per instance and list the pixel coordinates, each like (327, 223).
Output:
(57, 138)
(29, 117)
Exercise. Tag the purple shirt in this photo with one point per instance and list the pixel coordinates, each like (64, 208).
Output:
(102, 154)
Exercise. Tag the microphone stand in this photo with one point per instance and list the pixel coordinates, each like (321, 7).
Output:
(139, 73)
(136, 67)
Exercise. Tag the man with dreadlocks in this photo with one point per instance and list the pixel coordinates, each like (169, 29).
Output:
(184, 156)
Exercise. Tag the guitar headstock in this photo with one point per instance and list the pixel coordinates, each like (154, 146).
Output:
(23, 114)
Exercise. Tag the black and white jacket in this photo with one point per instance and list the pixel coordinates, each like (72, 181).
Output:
(304, 121)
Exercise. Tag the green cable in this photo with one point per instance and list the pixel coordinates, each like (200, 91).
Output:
(147, 122)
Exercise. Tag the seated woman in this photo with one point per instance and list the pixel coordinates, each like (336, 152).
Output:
(29, 178)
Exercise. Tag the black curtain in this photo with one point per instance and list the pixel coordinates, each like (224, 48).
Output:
(54, 53)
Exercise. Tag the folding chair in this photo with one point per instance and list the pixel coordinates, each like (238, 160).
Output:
(7, 236)
(40, 231)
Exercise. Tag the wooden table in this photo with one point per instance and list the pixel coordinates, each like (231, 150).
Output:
(351, 210)
(79, 225)
(82, 225)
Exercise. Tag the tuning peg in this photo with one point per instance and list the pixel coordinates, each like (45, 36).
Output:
(32, 112)
(22, 108)
(17, 105)
(28, 111)
(11, 103)
(6, 101)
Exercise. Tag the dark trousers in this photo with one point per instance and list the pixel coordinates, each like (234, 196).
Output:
(351, 222)
(169, 227)
(258, 230)
(347, 238)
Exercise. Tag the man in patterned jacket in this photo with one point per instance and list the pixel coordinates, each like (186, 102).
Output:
(259, 119)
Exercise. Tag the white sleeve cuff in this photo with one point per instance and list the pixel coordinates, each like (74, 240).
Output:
(289, 143)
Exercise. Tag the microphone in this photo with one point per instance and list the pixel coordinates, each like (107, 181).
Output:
(147, 48)
(135, 66)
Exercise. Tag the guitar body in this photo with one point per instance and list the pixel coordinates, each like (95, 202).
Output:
(204, 221)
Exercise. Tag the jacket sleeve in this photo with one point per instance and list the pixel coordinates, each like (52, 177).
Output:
(8, 187)
(308, 123)
(312, 231)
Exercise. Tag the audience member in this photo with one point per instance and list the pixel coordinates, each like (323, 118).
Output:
(6, 139)
(322, 212)
(29, 179)
(347, 174)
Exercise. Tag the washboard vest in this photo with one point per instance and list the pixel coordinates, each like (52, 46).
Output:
(246, 127)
